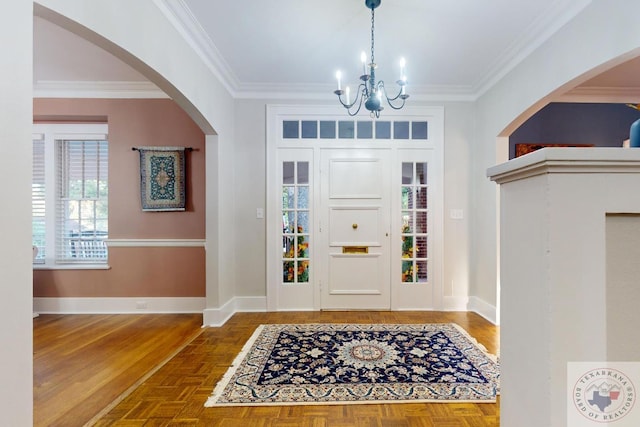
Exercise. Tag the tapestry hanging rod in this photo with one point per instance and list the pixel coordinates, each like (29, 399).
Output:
(138, 148)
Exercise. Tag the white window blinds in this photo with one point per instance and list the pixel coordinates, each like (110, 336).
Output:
(81, 205)
(70, 194)
(38, 206)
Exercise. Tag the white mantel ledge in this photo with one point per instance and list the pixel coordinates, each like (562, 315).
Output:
(567, 160)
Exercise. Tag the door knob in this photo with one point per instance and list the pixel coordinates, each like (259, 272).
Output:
(354, 226)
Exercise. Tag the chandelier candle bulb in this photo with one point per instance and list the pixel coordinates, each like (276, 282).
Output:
(348, 91)
(363, 58)
(338, 77)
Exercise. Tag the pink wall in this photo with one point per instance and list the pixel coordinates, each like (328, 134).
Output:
(137, 271)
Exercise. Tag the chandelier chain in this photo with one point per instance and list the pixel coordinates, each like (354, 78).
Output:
(373, 24)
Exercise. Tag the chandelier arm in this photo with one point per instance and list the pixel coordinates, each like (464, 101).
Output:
(390, 100)
(361, 88)
(399, 107)
(360, 96)
(398, 95)
(355, 113)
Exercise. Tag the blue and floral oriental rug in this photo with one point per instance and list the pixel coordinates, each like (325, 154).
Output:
(351, 363)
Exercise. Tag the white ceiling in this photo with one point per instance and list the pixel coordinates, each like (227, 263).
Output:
(454, 48)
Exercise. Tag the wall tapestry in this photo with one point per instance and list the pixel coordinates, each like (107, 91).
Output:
(162, 176)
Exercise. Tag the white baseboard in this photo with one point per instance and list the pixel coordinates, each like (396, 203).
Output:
(118, 305)
(455, 303)
(211, 316)
(218, 316)
(483, 308)
(473, 304)
(247, 304)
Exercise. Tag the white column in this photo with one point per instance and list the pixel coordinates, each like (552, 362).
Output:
(555, 299)
(16, 277)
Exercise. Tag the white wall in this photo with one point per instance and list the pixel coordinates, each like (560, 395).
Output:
(458, 148)
(622, 270)
(16, 335)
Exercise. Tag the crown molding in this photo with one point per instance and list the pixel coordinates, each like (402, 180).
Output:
(324, 92)
(96, 89)
(181, 17)
(539, 31)
(602, 94)
(147, 90)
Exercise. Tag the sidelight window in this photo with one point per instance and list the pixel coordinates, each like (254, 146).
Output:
(295, 222)
(414, 223)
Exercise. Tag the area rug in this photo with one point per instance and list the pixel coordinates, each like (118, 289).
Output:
(350, 363)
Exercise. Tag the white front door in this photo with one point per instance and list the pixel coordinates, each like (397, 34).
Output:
(354, 229)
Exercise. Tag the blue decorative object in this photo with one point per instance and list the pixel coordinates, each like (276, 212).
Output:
(634, 134)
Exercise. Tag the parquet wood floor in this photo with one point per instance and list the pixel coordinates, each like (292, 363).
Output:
(175, 394)
(81, 363)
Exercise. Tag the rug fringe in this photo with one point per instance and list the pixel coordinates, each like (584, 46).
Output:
(219, 388)
(463, 331)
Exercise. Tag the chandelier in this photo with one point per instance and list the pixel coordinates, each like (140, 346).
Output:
(369, 91)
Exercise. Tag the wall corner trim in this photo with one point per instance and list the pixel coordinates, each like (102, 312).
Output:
(484, 309)
(216, 317)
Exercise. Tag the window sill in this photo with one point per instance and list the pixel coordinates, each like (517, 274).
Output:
(72, 267)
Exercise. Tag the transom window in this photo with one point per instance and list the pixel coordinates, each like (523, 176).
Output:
(351, 129)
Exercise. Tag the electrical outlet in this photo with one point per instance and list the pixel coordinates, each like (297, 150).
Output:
(456, 214)
(141, 305)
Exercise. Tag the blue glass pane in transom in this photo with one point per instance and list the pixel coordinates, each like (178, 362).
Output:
(346, 129)
(400, 130)
(365, 130)
(383, 130)
(419, 130)
(327, 130)
(290, 129)
(309, 129)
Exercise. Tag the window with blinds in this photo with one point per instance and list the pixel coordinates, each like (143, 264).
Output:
(38, 205)
(70, 194)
